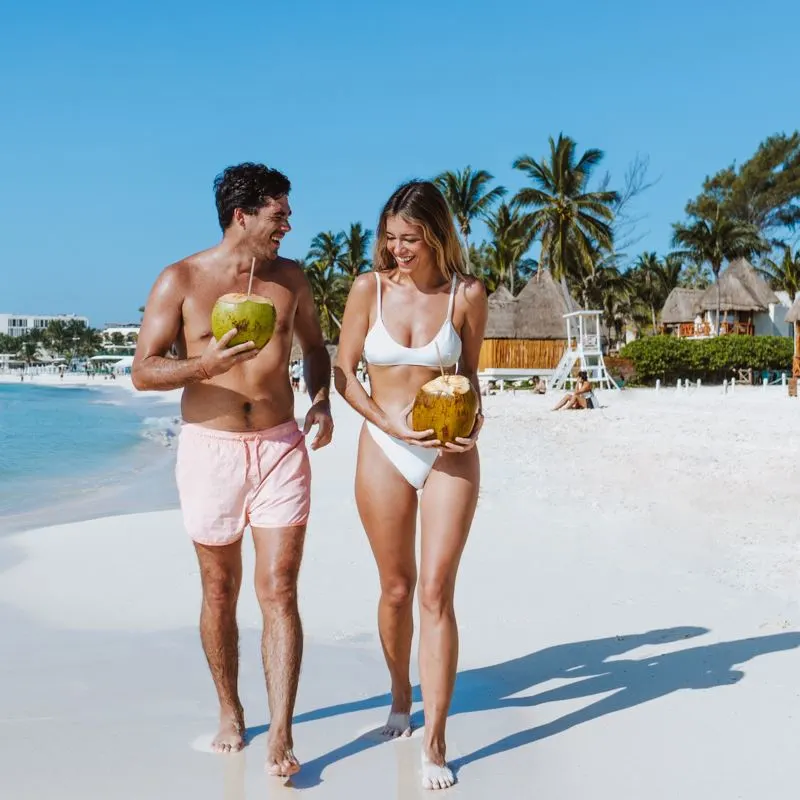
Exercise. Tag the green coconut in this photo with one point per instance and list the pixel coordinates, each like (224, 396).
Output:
(447, 405)
(253, 317)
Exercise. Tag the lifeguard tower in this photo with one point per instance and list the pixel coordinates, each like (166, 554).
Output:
(585, 348)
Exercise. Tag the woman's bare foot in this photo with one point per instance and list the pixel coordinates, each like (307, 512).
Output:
(230, 737)
(435, 772)
(399, 722)
(281, 760)
(397, 725)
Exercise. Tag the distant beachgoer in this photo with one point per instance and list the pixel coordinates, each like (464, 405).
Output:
(296, 373)
(418, 299)
(581, 397)
(241, 456)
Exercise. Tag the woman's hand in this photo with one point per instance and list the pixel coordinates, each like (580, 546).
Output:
(462, 444)
(400, 429)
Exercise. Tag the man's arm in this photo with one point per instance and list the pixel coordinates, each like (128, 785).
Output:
(161, 324)
(316, 359)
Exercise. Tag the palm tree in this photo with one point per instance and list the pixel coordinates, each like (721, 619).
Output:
(712, 238)
(329, 289)
(671, 271)
(783, 276)
(573, 223)
(91, 342)
(326, 249)
(512, 236)
(468, 196)
(30, 344)
(648, 284)
(356, 245)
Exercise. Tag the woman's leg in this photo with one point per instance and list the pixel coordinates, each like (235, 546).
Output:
(387, 505)
(565, 400)
(448, 506)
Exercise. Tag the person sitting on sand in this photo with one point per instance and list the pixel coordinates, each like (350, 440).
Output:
(581, 397)
(417, 312)
(242, 459)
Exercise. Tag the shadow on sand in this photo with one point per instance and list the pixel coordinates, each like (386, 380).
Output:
(589, 668)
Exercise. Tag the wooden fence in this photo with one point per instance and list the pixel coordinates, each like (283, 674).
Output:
(521, 353)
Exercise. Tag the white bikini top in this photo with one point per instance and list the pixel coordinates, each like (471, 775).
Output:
(383, 351)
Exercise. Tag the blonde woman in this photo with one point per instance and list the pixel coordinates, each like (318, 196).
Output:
(417, 309)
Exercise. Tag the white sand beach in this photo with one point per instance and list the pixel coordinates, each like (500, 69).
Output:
(628, 606)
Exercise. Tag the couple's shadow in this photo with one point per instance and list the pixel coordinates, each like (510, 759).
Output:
(587, 665)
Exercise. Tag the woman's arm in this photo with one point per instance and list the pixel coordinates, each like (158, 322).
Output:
(355, 324)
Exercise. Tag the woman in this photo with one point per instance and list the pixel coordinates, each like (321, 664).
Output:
(581, 397)
(416, 313)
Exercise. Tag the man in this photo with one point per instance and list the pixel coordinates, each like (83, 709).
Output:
(241, 456)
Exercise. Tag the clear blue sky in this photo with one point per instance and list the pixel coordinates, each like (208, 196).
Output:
(115, 117)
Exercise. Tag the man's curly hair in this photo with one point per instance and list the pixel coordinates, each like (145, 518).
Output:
(247, 186)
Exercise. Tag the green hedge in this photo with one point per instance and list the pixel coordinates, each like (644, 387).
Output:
(670, 358)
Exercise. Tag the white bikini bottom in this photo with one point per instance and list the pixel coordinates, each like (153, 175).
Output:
(412, 461)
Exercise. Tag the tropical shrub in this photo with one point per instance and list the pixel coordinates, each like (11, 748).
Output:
(670, 358)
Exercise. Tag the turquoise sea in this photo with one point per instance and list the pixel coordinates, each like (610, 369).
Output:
(69, 453)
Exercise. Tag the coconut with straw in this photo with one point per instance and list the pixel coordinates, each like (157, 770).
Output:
(252, 315)
(447, 404)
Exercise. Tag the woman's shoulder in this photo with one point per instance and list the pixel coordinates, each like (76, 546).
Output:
(363, 284)
(472, 288)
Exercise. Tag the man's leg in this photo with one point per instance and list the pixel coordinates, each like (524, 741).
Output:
(279, 552)
(221, 576)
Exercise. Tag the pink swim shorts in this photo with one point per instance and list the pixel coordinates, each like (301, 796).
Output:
(229, 479)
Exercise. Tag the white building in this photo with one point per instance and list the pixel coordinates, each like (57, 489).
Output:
(20, 324)
(125, 328)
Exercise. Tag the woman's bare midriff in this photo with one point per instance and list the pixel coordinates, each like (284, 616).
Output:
(394, 388)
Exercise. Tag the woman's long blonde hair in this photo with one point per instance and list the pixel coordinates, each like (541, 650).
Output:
(421, 203)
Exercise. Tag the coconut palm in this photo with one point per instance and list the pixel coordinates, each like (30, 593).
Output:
(648, 283)
(355, 258)
(329, 289)
(469, 196)
(573, 223)
(783, 275)
(326, 249)
(670, 271)
(512, 236)
(712, 238)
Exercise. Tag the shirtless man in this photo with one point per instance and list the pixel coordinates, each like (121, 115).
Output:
(241, 456)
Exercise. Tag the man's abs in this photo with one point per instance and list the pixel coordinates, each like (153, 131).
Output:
(240, 400)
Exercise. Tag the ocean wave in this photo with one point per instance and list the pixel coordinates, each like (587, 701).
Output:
(163, 430)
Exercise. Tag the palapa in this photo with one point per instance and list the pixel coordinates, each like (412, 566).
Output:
(682, 306)
(793, 314)
(536, 313)
(741, 288)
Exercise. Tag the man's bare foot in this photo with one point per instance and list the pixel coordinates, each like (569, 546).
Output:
(230, 737)
(397, 725)
(435, 772)
(281, 760)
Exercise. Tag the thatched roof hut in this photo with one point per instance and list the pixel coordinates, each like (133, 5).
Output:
(741, 288)
(536, 313)
(528, 331)
(682, 306)
(501, 323)
(793, 314)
